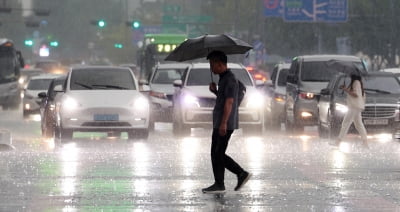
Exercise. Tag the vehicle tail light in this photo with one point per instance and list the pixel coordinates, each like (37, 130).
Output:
(306, 95)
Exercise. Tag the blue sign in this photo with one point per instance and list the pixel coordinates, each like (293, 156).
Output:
(315, 10)
(273, 8)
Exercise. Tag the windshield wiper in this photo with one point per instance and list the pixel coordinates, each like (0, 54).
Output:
(83, 85)
(110, 86)
(377, 90)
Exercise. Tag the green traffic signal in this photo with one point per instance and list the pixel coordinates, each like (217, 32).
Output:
(101, 23)
(118, 46)
(54, 43)
(136, 24)
(28, 42)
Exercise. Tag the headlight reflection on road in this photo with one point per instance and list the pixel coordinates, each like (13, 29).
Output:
(339, 159)
(69, 158)
(255, 146)
(189, 154)
(383, 137)
(140, 157)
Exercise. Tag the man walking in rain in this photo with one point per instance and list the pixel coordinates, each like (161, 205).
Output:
(225, 121)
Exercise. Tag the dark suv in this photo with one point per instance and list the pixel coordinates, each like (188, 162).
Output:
(381, 114)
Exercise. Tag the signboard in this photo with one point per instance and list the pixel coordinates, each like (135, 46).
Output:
(273, 8)
(315, 10)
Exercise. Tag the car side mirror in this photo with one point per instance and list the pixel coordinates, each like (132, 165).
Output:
(177, 83)
(58, 88)
(42, 95)
(325, 91)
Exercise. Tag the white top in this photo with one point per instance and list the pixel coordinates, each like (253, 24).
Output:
(359, 101)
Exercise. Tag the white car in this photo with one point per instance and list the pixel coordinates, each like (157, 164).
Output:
(30, 99)
(103, 99)
(193, 103)
(162, 90)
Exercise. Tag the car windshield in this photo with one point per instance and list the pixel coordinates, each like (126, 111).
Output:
(94, 79)
(374, 84)
(282, 77)
(39, 84)
(317, 71)
(203, 77)
(166, 76)
(382, 84)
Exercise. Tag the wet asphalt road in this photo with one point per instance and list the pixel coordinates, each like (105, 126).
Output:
(163, 173)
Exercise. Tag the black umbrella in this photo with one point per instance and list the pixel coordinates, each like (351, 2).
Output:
(346, 67)
(200, 47)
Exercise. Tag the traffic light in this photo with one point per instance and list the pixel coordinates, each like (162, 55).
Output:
(101, 23)
(28, 42)
(54, 43)
(118, 45)
(136, 24)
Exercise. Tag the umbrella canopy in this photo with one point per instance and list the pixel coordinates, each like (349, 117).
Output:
(200, 47)
(346, 67)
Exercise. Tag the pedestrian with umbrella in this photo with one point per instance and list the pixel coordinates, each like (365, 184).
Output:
(355, 98)
(225, 112)
(355, 102)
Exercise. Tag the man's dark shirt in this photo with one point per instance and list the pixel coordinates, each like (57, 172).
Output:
(227, 88)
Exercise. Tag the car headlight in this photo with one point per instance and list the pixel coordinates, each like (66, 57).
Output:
(141, 103)
(70, 103)
(341, 108)
(191, 101)
(280, 98)
(255, 100)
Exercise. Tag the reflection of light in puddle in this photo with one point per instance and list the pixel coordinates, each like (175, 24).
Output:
(140, 186)
(339, 159)
(189, 154)
(339, 209)
(255, 185)
(70, 158)
(383, 138)
(36, 117)
(255, 146)
(49, 143)
(140, 156)
(304, 137)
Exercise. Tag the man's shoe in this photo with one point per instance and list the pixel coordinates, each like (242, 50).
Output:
(242, 179)
(214, 189)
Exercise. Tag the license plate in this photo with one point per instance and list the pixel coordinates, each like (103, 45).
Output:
(106, 117)
(376, 121)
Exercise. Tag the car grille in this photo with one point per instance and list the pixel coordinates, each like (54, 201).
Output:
(105, 124)
(207, 102)
(377, 111)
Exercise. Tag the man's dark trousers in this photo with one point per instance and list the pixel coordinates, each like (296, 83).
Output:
(219, 159)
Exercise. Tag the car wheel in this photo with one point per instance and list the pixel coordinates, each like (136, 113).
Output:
(65, 134)
(323, 133)
(151, 125)
(333, 127)
(178, 128)
(25, 113)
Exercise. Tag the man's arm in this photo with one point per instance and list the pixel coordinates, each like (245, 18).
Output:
(227, 112)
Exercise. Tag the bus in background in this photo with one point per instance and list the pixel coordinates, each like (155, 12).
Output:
(155, 48)
(11, 62)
